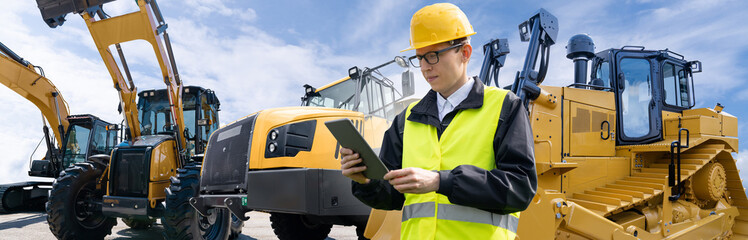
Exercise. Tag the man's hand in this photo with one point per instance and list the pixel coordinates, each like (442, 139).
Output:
(348, 166)
(413, 180)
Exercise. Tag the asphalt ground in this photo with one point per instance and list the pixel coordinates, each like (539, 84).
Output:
(33, 226)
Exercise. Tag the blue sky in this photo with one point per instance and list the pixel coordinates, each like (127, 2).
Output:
(258, 54)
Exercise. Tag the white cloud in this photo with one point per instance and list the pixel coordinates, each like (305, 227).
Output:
(205, 8)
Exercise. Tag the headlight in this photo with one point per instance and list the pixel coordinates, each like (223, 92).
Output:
(272, 146)
(273, 134)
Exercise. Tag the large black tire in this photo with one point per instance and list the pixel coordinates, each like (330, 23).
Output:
(138, 223)
(183, 222)
(293, 226)
(360, 232)
(71, 207)
(236, 227)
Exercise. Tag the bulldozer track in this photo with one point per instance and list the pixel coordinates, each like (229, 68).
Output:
(641, 186)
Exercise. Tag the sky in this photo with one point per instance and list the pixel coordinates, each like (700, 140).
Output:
(258, 54)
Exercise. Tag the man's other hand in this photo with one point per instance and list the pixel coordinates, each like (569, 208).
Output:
(413, 180)
(348, 164)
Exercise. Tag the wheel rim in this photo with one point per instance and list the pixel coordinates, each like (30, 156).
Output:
(212, 224)
(85, 208)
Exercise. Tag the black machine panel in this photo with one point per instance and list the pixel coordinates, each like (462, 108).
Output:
(129, 172)
(228, 151)
(290, 139)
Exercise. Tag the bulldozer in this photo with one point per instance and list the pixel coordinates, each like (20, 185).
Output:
(164, 130)
(69, 139)
(285, 162)
(626, 155)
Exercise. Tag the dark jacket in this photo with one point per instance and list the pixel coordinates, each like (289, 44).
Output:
(508, 188)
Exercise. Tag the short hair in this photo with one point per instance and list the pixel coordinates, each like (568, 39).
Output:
(465, 40)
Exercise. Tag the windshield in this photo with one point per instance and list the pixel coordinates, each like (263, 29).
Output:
(340, 96)
(77, 145)
(155, 115)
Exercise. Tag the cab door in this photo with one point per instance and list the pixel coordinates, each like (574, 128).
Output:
(639, 105)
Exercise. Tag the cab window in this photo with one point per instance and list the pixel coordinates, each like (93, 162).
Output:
(636, 97)
(675, 81)
(99, 141)
(76, 146)
(603, 73)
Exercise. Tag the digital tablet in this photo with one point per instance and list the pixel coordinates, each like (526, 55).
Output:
(348, 137)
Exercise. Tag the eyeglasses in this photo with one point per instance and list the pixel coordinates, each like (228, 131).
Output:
(431, 57)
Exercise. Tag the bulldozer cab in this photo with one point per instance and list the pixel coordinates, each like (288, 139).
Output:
(366, 90)
(645, 83)
(201, 108)
(87, 136)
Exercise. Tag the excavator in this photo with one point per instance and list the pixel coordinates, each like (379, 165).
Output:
(165, 130)
(69, 139)
(626, 155)
(285, 162)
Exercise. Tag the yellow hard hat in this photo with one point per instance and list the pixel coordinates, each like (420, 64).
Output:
(438, 23)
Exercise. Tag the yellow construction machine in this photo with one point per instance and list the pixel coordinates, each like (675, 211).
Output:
(284, 160)
(73, 138)
(164, 131)
(623, 156)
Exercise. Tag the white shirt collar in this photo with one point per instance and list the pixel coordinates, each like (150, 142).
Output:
(455, 99)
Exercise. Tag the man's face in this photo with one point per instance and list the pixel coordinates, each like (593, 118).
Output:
(446, 76)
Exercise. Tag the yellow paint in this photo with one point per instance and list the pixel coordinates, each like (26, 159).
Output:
(588, 130)
(323, 147)
(163, 162)
(38, 90)
(336, 82)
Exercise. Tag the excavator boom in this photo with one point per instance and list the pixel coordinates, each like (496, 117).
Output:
(20, 76)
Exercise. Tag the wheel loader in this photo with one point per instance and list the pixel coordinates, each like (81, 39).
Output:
(164, 131)
(73, 138)
(285, 162)
(626, 155)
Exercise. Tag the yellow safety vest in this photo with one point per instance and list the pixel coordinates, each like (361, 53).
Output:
(467, 140)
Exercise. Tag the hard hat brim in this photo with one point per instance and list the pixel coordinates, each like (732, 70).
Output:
(426, 45)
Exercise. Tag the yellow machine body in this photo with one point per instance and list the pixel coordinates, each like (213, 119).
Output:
(589, 188)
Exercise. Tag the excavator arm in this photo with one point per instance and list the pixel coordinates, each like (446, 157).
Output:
(20, 76)
(146, 24)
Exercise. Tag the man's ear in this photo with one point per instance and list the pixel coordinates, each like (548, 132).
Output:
(467, 51)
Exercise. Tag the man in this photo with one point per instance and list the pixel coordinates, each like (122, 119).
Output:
(462, 157)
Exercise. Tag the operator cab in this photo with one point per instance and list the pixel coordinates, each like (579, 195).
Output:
(645, 83)
(201, 108)
(366, 90)
(87, 135)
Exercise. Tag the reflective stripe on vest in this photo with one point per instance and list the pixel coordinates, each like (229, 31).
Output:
(467, 140)
(461, 213)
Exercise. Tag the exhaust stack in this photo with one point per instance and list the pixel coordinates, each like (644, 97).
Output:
(580, 49)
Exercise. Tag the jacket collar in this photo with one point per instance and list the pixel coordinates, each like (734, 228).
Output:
(426, 110)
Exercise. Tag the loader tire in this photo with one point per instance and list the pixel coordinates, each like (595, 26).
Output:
(138, 223)
(236, 227)
(71, 211)
(294, 226)
(183, 222)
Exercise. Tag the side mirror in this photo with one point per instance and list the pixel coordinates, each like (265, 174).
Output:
(695, 66)
(203, 122)
(401, 61)
(409, 87)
